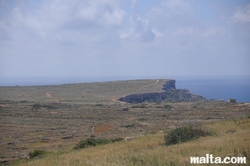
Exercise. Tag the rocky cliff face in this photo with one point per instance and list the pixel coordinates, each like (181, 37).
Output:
(171, 94)
(169, 85)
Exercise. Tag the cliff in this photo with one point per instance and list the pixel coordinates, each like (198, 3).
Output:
(169, 85)
(170, 94)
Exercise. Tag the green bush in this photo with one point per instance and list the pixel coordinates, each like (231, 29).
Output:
(130, 125)
(36, 154)
(142, 119)
(99, 105)
(184, 134)
(95, 142)
(36, 106)
(48, 106)
(167, 106)
(138, 106)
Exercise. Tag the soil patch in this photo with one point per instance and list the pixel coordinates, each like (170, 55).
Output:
(48, 95)
(100, 128)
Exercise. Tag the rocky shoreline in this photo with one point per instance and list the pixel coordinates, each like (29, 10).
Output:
(170, 94)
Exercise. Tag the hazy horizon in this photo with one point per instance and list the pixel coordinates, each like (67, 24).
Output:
(36, 80)
(218, 88)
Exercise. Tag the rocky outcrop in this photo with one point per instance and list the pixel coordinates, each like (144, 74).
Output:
(139, 98)
(170, 94)
(169, 85)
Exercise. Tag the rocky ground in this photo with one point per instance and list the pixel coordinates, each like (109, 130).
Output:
(57, 117)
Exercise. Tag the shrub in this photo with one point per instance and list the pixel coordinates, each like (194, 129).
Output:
(138, 106)
(36, 106)
(117, 139)
(142, 119)
(36, 154)
(130, 125)
(90, 142)
(95, 142)
(167, 106)
(184, 134)
(99, 105)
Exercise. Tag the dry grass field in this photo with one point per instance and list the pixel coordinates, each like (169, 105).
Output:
(148, 150)
(55, 118)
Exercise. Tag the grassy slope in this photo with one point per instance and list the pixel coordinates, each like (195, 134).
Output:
(231, 138)
(104, 92)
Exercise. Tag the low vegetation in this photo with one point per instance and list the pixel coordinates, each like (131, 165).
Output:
(36, 154)
(149, 149)
(167, 106)
(138, 106)
(129, 125)
(56, 118)
(184, 134)
(95, 142)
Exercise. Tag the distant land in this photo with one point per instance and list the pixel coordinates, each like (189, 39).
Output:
(218, 88)
(130, 91)
(169, 94)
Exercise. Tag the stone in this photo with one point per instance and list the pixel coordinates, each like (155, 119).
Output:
(169, 85)
(124, 108)
(231, 101)
(171, 94)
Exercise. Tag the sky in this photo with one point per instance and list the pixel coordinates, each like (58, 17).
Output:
(138, 38)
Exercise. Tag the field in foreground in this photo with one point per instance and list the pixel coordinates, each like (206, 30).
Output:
(55, 118)
(230, 138)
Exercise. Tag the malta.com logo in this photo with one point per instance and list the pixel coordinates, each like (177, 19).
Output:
(210, 159)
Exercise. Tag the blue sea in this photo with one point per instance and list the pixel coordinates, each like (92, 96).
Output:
(218, 88)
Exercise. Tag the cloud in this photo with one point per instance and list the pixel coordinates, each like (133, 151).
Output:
(176, 6)
(133, 2)
(242, 14)
(119, 37)
(99, 13)
(142, 28)
(126, 34)
(170, 19)
(156, 33)
(51, 19)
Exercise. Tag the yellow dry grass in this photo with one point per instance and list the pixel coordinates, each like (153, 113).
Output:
(231, 138)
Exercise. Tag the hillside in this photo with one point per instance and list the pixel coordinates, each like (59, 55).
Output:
(231, 138)
(55, 118)
(83, 93)
(104, 92)
(169, 94)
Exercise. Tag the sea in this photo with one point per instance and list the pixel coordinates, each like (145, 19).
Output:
(217, 88)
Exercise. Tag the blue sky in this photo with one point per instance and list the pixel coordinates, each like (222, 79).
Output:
(138, 38)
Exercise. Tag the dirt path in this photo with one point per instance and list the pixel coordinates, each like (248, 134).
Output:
(115, 100)
(148, 85)
(88, 94)
(48, 95)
